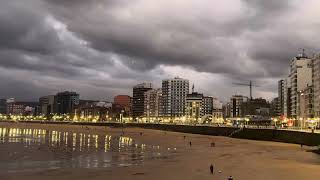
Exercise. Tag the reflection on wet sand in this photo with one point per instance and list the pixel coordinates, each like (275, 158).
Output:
(38, 149)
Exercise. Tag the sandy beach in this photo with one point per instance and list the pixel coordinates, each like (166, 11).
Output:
(243, 159)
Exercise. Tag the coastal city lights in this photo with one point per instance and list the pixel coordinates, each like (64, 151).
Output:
(171, 104)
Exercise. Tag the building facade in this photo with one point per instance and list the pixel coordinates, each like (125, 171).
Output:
(22, 108)
(286, 106)
(138, 99)
(281, 97)
(305, 99)
(174, 94)
(258, 107)
(275, 107)
(316, 85)
(46, 104)
(93, 112)
(65, 102)
(152, 103)
(123, 100)
(207, 105)
(300, 79)
(236, 102)
(122, 104)
(194, 107)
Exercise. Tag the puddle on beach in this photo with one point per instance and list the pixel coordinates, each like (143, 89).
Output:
(23, 150)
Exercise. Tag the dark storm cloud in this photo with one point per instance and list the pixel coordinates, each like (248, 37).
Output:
(200, 42)
(109, 45)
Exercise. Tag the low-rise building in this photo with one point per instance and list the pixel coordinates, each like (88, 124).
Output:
(22, 108)
(93, 112)
(257, 106)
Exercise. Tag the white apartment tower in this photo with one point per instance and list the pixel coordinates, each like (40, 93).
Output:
(174, 94)
(301, 79)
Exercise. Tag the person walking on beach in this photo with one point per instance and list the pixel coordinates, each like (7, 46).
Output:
(230, 178)
(190, 143)
(213, 144)
(211, 169)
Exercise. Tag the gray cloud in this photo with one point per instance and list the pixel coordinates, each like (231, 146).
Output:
(104, 47)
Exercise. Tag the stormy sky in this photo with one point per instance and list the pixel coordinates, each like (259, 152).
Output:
(101, 48)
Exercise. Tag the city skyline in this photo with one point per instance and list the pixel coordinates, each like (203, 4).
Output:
(48, 49)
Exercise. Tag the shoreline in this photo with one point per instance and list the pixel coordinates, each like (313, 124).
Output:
(243, 159)
(273, 135)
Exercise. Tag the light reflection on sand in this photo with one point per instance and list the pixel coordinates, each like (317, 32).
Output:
(39, 149)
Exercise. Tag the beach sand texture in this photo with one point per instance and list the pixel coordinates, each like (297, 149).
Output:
(166, 156)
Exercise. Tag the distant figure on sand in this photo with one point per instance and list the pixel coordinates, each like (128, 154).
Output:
(184, 137)
(230, 178)
(213, 144)
(141, 133)
(211, 169)
(190, 143)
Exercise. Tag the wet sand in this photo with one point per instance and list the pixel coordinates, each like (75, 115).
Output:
(243, 159)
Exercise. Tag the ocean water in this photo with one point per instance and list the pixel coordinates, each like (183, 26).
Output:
(24, 150)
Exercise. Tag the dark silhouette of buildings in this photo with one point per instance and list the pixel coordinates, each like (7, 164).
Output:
(3, 106)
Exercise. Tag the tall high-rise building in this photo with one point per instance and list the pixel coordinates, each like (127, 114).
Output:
(174, 94)
(316, 85)
(138, 99)
(301, 79)
(65, 102)
(46, 105)
(152, 103)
